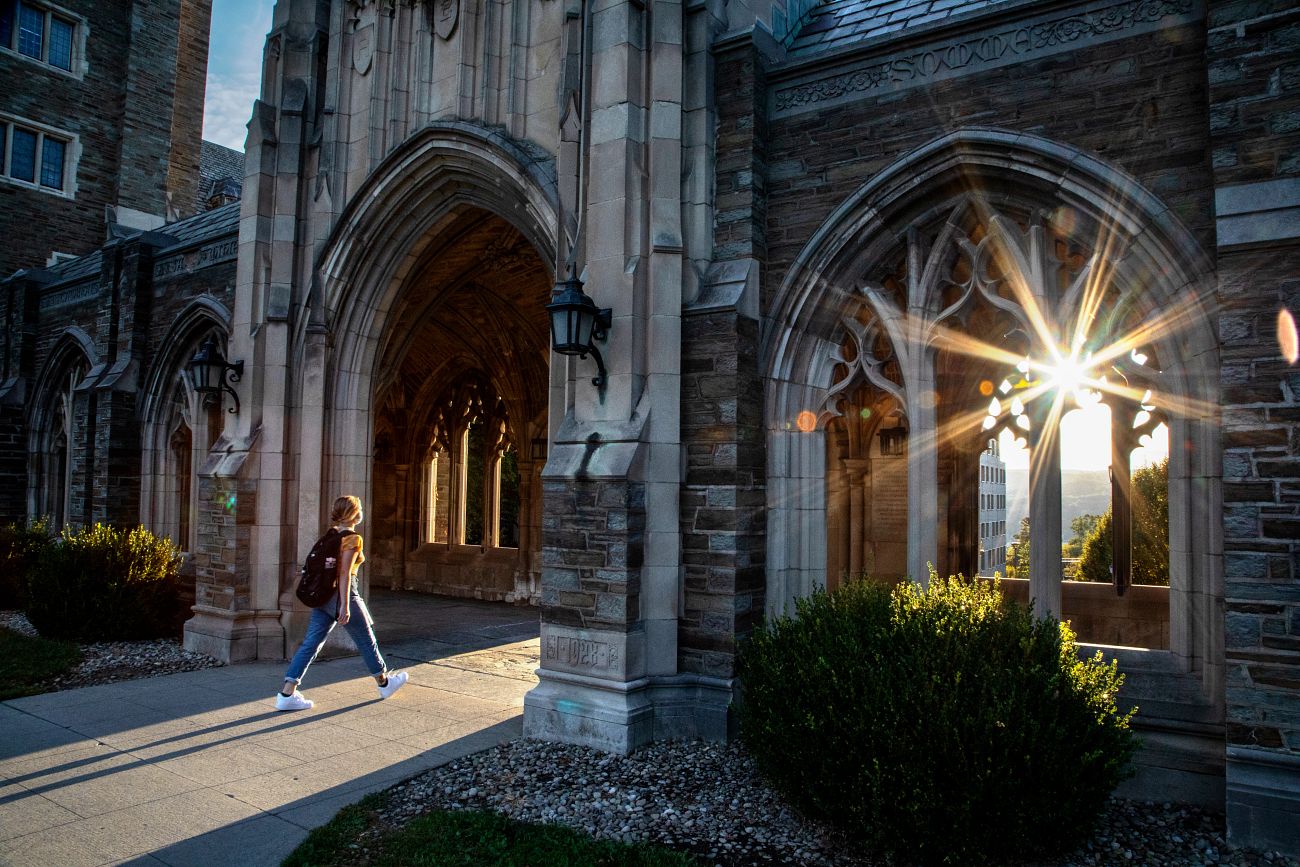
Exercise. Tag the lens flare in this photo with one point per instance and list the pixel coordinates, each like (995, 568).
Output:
(1287, 338)
(806, 421)
(986, 387)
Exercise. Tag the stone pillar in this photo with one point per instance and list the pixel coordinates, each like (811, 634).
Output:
(250, 484)
(20, 295)
(611, 576)
(123, 326)
(1045, 518)
(1254, 100)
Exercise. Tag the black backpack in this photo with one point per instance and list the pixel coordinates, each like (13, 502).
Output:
(320, 574)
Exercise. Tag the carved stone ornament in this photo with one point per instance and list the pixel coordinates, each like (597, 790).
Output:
(362, 25)
(446, 13)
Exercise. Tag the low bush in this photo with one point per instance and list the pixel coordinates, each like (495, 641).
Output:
(20, 546)
(941, 725)
(105, 584)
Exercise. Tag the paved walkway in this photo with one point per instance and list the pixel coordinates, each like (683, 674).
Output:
(199, 768)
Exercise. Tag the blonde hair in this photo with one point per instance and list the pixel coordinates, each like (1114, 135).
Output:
(347, 510)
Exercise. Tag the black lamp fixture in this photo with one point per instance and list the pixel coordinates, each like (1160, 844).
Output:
(209, 372)
(577, 323)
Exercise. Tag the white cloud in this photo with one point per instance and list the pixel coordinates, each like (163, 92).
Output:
(228, 106)
(239, 30)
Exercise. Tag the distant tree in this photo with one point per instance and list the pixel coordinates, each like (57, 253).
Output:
(1150, 532)
(1081, 526)
(1018, 552)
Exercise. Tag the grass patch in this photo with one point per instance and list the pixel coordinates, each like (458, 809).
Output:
(27, 663)
(469, 839)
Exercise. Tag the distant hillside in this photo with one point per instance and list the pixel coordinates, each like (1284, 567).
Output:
(1083, 492)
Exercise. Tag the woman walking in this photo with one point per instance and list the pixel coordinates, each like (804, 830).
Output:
(346, 608)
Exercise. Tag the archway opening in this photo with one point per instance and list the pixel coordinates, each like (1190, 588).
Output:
(460, 423)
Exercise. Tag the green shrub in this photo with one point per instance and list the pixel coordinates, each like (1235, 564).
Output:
(103, 584)
(939, 725)
(20, 545)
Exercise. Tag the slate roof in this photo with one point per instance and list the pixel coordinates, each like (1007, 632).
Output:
(840, 23)
(220, 169)
(201, 227)
(209, 224)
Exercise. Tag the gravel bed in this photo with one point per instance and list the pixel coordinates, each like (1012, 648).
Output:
(115, 661)
(708, 799)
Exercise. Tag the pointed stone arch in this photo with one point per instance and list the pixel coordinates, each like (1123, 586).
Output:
(1150, 255)
(52, 426)
(402, 219)
(170, 413)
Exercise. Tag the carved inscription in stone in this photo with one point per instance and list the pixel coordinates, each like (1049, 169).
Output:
(68, 297)
(185, 263)
(579, 653)
(977, 52)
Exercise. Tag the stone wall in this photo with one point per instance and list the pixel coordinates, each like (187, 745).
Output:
(1138, 103)
(128, 83)
(722, 500)
(1254, 120)
(592, 551)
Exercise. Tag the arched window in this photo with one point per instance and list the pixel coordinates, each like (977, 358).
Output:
(980, 252)
(470, 472)
(57, 433)
(180, 427)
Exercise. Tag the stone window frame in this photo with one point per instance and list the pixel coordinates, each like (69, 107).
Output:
(53, 416)
(170, 401)
(801, 353)
(71, 155)
(78, 63)
(458, 491)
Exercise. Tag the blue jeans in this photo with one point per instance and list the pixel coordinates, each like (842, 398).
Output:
(323, 620)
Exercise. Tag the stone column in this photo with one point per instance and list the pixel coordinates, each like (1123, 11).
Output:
(247, 485)
(611, 580)
(21, 297)
(1254, 139)
(1045, 518)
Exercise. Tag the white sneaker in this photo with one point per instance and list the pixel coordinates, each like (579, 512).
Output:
(297, 701)
(395, 681)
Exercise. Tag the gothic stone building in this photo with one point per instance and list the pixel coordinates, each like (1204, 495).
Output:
(827, 235)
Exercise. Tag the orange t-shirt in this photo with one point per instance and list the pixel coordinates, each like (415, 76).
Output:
(353, 543)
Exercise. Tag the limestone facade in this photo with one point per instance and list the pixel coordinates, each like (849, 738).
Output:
(802, 218)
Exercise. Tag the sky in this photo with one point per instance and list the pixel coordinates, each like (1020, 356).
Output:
(1085, 443)
(239, 29)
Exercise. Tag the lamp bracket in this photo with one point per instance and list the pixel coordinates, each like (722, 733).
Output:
(599, 379)
(234, 372)
(604, 319)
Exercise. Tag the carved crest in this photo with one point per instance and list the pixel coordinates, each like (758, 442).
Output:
(363, 36)
(446, 13)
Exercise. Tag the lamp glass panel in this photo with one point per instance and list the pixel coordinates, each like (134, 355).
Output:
(585, 324)
(559, 329)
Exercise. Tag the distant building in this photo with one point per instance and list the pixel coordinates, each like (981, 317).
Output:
(993, 511)
(101, 120)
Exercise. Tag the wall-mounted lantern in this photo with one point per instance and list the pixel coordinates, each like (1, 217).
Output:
(538, 451)
(209, 372)
(893, 441)
(577, 323)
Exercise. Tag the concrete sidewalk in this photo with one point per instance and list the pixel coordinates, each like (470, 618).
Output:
(199, 768)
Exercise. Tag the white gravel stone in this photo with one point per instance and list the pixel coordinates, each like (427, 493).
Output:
(114, 661)
(709, 799)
